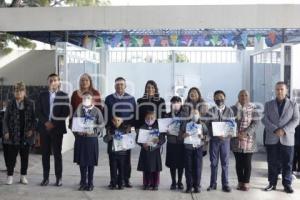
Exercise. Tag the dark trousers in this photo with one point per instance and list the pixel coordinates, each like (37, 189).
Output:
(173, 175)
(193, 167)
(87, 173)
(10, 156)
(219, 149)
(243, 166)
(51, 142)
(280, 156)
(127, 167)
(296, 163)
(117, 166)
(151, 179)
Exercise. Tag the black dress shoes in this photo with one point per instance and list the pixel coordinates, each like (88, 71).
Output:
(128, 185)
(82, 187)
(173, 186)
(288, 189)
(180, 186)
(45, 182)
(58, 182)
(270, 188)
(226, 188)
(212, 187)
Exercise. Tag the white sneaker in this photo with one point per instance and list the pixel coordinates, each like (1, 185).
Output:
(23, 180)
(10, 180)
(279, 176)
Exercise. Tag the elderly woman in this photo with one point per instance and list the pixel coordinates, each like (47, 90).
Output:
(244, 145)
(18, 129)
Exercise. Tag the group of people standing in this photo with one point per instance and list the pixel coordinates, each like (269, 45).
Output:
(121, 114)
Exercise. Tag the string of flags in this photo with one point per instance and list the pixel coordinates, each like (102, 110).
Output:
(241, 40)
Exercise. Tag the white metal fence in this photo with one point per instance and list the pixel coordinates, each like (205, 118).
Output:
(179, 56)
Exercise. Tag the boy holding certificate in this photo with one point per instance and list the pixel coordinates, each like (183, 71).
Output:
(194, 135)
(89, 119)
(150, 158)
(219, 145)
(175, 146)
(117, 158)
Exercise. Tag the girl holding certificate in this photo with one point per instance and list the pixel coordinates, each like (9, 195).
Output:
(86, 149)
(194, 134)
(150, 157)
(175, 146)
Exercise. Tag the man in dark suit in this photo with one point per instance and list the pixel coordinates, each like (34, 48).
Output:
(53, 109)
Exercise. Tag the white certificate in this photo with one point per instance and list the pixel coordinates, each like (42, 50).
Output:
(125, 142)
(79, 124)
(193, 140)
(194, 131)
(170, 125)
(146, 137)
(224, 129)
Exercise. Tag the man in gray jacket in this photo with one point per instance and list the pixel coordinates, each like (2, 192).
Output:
(281, 116)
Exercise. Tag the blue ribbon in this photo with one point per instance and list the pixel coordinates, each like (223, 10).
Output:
(118, 135)
(230, 123)
(192, 126)
(175, 121)
(154, 132)
(88, 117)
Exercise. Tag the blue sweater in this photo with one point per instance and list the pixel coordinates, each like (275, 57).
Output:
(124, 107)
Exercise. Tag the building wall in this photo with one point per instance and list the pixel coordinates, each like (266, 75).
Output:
(207, 77)
(33, 68)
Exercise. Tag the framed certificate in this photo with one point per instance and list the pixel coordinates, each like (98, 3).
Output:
(224, 129)
(81, 125)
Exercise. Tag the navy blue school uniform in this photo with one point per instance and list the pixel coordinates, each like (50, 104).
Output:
(86, 147)
(193, 159)
(127, 105)
(219, 148)
(175, 146)
(150, 159)
(117, 159)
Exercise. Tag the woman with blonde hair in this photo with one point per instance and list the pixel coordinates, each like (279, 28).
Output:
(244, 145)
(18, 129)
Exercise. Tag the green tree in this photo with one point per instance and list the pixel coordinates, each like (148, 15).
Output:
(5, 38)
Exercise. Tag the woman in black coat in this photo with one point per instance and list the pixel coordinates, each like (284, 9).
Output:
(18, 128)
(151, 100)
(150, 156)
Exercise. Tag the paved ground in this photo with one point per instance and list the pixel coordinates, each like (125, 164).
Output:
(71, 179)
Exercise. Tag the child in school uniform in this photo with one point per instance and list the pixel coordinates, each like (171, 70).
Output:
(117, 159)
(175, 146)
(150, 157)
(86, 148)
(193, 153)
